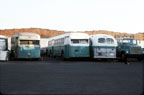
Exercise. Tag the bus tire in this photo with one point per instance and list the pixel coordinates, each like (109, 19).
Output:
(40, 59)
(50, 54)
(62, 54)
(123, 57)
(54, 56)
(11, 56)
(7, 58)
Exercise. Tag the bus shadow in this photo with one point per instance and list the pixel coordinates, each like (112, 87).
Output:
(77, 59)
(87, 60)
(26, 60)
(98, 60)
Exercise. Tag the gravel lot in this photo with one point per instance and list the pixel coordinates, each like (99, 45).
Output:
(76, 76)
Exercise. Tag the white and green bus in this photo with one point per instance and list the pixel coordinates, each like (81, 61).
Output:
(4, 53)
(25, 45)
(103, 46)
(69, 45)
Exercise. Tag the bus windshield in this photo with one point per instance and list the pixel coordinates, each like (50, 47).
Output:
(79, 41)
(106, 40)
(129, 41)
(101, 40)
(110, 41)
(3, 44)
(29, 42)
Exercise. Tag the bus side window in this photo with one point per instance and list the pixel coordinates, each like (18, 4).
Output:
(66, 40)
(62, 41)
(75, 41)
(49, 43)
(110, 41)
(119, 41)
(54, 42)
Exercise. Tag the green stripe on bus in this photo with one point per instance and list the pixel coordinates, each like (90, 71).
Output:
(103, 47)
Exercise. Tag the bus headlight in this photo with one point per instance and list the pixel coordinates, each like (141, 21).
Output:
(127, 52)
(111, 54)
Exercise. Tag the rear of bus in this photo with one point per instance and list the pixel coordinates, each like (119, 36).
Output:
(4, 48)
(78, 46)
(29, 47)
(103, 46)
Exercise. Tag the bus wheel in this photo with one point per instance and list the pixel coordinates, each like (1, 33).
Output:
(7, 58)
(123, 57)
(50, 54)
(62, 54)
(40, 59)
(11, 57)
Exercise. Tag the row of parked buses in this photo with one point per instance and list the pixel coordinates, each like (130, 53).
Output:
(98, 46)
(70, 45)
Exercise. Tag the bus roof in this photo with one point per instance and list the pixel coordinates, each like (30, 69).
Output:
(3, 37)
(101, 35)
(72, 36)
(23, 35)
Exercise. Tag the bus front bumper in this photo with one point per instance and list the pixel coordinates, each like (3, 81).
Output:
(3, 55)
(134, 55)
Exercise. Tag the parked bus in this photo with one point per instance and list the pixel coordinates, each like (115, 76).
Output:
(103, 46)
(4, 53)
(69, 45)
(25, 45)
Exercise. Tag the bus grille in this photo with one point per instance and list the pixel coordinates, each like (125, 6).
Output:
(135, 50)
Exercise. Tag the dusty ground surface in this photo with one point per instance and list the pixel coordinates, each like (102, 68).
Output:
(55, 76)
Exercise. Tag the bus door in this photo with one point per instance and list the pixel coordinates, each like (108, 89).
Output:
(101, 50)
(111, 50)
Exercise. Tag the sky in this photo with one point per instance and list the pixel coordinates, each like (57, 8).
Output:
(73, 15)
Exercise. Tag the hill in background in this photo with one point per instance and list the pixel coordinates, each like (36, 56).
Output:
(46, 33)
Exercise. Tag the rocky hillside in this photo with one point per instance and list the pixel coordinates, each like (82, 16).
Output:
(46, 33)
